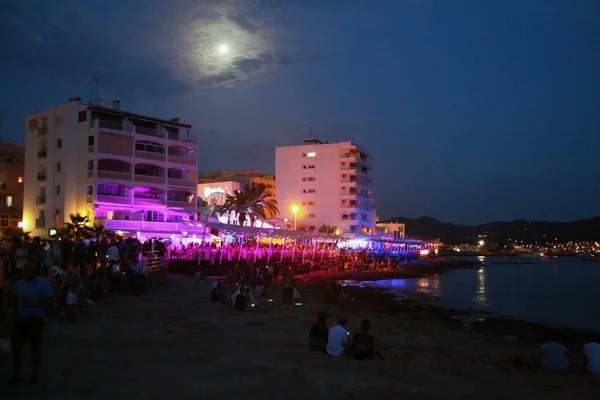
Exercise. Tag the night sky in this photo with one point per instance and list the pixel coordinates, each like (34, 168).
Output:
(474, 110)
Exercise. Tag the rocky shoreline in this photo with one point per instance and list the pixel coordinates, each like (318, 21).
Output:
(382, 301)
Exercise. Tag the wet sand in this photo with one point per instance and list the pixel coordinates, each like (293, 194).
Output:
(173, 344)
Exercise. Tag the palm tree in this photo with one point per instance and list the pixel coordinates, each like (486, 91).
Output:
(97, 231)
(250, 200)
(79, 225)
(10, 234)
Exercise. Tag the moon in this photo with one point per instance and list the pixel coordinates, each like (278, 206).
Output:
(223, 49)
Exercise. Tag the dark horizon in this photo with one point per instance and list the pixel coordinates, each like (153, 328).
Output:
(491, 222)
(473, 111)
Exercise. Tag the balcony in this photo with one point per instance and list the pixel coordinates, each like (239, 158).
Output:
(182, 159)
(41, 176)
(113, 199)
(144, 201)
(40, 223)
(346, 193)
(150, 178)
(140, 130)
(148, 155)
(42, 153)
(123, 176)
(182, 182)
(40, 199)
(180, 203)
(154, 226)
(115, 126)
(42, 131)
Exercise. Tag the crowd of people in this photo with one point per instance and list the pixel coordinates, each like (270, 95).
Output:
(47, 280)
(213, 253)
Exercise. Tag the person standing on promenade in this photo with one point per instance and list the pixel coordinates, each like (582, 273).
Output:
(31, 295)
(288, 289)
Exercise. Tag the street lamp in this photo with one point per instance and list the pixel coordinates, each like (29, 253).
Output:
(295, 211)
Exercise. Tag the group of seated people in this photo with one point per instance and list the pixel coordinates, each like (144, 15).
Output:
(336, 340)
(237, 294)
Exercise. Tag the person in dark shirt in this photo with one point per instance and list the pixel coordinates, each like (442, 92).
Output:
(240, 302)
(317, 338)
(364, 345)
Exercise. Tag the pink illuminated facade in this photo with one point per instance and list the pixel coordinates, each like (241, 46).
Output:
(127, 171)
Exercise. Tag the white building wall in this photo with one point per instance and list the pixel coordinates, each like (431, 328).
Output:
(217, 191)
(74, 178)
(296, 179)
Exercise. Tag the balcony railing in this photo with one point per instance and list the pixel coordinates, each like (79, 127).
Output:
(40, 222)
(40, 199)
(182, 182)
(42, 153)
(180, 203)
(182, 159)
(141, 201)
(42, 130)
(115, 126)
(147, 131)
(41, 176)
(124, 176)
(150, 178)
(110, 198)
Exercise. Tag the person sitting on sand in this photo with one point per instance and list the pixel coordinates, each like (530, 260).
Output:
(337, 339)
(215, 293)
(364, 346)
(240, 301)
(554, 357)
(592, 357)
(319, 333)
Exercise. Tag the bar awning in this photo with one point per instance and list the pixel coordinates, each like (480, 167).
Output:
(238, 230)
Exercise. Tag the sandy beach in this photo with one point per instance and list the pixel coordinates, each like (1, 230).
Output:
(172, 343)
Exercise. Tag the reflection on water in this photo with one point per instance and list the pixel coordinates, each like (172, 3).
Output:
(480, 299)
(561, 291)
(421, 287)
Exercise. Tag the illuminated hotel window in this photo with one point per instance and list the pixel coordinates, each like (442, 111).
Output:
(308, 179)
(8, 201)
(20, 179)
(311, 154)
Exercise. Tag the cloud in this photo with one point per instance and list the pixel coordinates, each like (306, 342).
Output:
(160, 47)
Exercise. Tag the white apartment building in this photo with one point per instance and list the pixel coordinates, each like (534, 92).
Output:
(329, 183)
(127, 171)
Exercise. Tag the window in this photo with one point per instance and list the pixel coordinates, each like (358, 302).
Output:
(59, 120)
(90, 140)
(308, 167)
(57, 167)
(311, 215)
(2, 185)
(32, 124)
(308, 190)
(20, 179)
(90, 190)
(90, 165)
(59, 143)
(9, 201)
(308, 203)
(313, 154)
(44, 122)
(308, 179)
(303, 154)
(57, 190)
(41, 214)
(82, 116)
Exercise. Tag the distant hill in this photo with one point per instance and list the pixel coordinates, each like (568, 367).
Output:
(500, 232)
